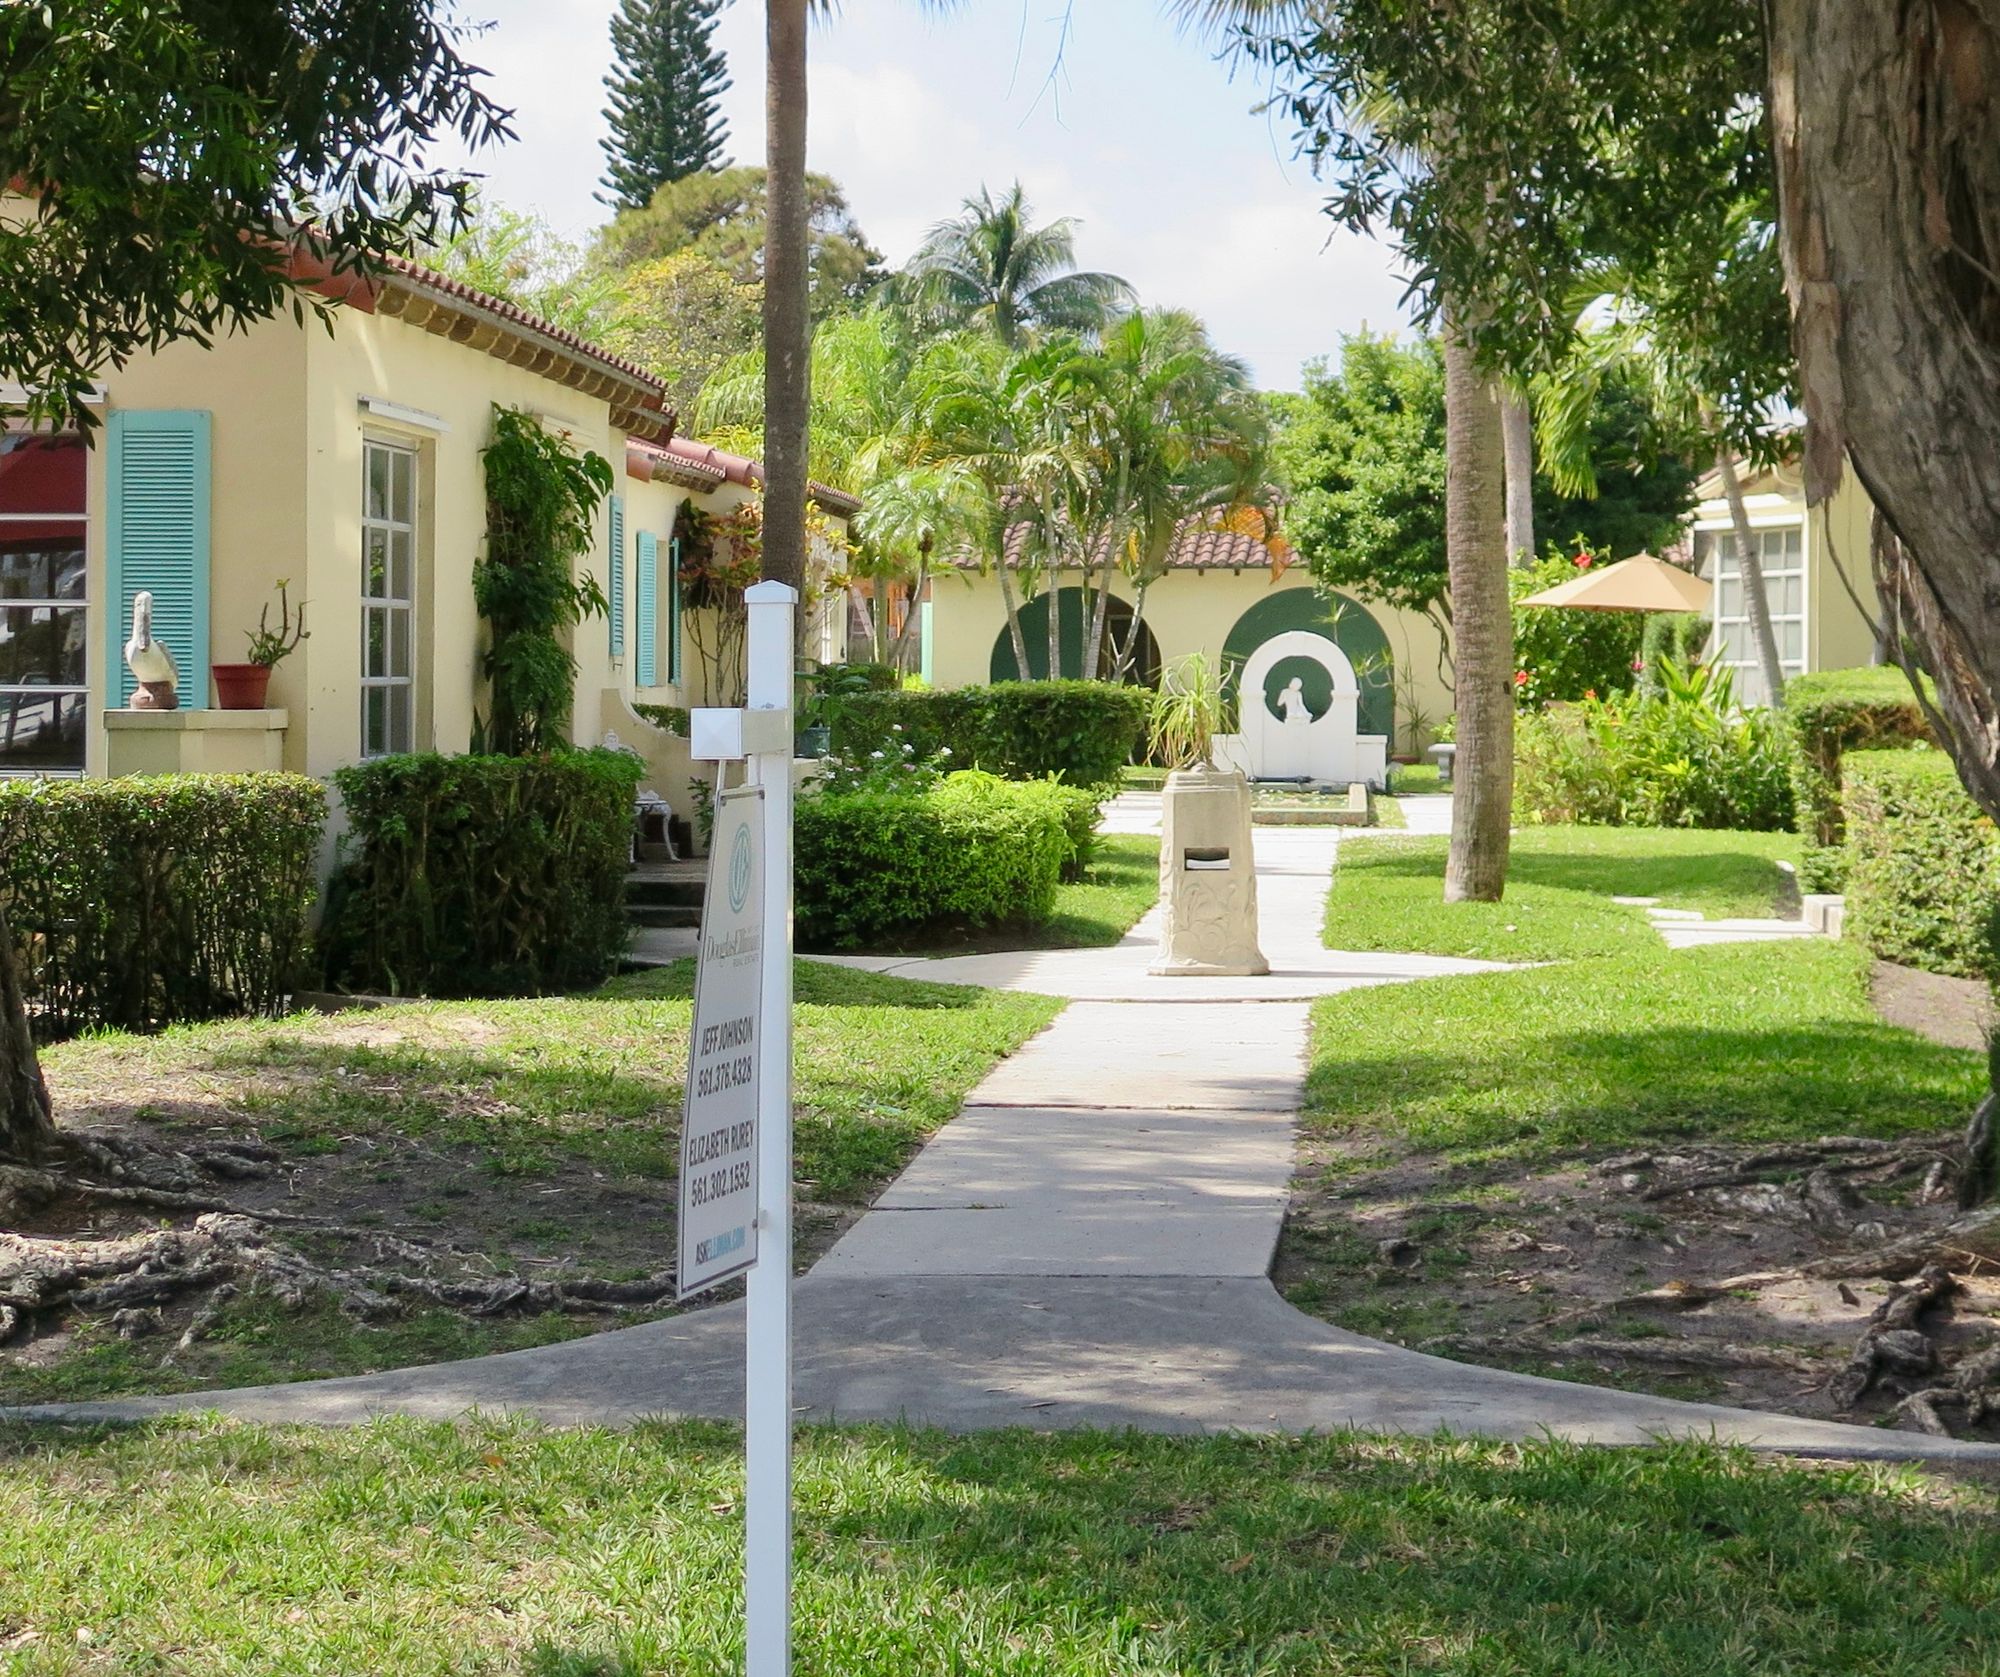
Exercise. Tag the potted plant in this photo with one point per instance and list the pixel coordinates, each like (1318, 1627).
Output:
(245, 686)
(1208, 875)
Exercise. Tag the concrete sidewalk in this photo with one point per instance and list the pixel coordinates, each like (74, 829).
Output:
(1088, 1244)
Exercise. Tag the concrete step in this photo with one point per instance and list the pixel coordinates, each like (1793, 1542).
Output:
(666, 885)
(662, 914)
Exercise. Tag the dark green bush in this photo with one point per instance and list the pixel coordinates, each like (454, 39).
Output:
(478, 876)
(138, 902)
(1083, 732)
(971, 852)
(1923, 864)
(1827, 714)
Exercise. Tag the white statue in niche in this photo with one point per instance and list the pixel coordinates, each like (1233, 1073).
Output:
(1284, 740)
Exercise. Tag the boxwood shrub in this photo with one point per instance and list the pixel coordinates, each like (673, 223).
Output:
(1923, 864)
(971, 852)
(1827, 714)
(1083, 732)
(481, 876)
(143, 901)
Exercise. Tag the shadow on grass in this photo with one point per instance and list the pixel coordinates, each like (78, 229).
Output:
(814, 984)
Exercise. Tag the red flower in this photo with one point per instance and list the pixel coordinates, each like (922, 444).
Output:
(1584, 561)
(1638, 665)
(1520, 678)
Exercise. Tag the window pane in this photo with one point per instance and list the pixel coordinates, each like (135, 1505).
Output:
(374, 564)
(374, 731)
(375, 495)
(42, 732)
(399, 717)
(1788, 596)
(45, 566)
(41, 473)
(1728, 597)
(1791, 642)
(41, 646)
(375, 642)
(401, 560)
(399, 643)
(402, 499)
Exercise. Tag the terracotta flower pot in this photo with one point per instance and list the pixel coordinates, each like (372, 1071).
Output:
(241, 686)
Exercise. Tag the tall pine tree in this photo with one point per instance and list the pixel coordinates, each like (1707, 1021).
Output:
(666, 86)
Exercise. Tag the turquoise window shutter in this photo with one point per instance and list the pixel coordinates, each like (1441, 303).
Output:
(648, 602)
(674, 611)
(157, 539)
(617, 589)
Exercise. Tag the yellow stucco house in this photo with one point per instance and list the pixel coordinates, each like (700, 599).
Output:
(1816, 575)
(346, 463)
(1222, 594)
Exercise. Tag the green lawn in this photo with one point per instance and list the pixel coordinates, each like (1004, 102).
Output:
(1560, 882)
(1738, 1043)
(1415, 777)
(538, 1136)
(205, 1549)
(1122, 883)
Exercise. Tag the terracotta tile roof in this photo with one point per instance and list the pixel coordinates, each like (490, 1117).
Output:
(1199, 547)
(704, 466)
(493, 326)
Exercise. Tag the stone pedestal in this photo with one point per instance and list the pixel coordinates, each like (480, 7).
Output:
(1208, 878)
(194, 741)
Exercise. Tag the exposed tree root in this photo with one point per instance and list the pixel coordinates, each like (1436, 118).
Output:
(41, 1277)
(1662, 1353)
(1971, 1243)
(1974, 1390)
(25, 1188)
(1894, 1341)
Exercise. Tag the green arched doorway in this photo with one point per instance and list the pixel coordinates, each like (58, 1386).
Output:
(1343, 621)
(1074, 606)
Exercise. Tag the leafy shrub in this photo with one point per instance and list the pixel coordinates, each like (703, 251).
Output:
(482, 875)
(1081, 731)
(672, 718)
(1827, 715)
(135, 903)
(1681, 757)
(541, 507)
(1562, 656)
(1923, 864)
(972, 851)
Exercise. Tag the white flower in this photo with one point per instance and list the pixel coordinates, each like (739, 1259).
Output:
(876, 755)
(944, 751)
(895, 727)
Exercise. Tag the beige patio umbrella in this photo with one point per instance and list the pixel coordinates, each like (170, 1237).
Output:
(1641, 583)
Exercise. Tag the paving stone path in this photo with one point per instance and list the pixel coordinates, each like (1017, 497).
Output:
(1086, 1245)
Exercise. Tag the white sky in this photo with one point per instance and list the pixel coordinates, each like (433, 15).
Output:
(1179, 184)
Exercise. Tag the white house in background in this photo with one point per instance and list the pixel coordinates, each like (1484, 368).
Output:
(1815, 573)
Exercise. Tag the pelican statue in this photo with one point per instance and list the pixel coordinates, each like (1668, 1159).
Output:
(151, 664)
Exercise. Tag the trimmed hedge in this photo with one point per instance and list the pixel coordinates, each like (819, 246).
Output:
(140, 902)
(482, 876)
(1828, 714)
(973, 851)
(1923, 864)
(1083, 732)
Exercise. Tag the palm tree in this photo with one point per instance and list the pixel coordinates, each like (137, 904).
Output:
(1179, 433)
(992, 267)
(908, 520)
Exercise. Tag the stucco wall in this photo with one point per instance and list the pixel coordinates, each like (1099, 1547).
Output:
(253, 384)
(1187, 611)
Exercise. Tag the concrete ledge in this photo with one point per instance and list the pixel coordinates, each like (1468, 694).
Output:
(1826, 913)
(195, 741)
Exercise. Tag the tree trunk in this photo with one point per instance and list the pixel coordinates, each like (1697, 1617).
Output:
(1482, 632)
(787, 335)
(1100, 613)
(27, 1122)
(1750, 567)
(916, 604)
(1887, 130)
(1055, 613)
(1013, 619)
(1517, 430)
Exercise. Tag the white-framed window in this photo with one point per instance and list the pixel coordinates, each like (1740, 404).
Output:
(388, 597)
(1782, 550)
(44, 691)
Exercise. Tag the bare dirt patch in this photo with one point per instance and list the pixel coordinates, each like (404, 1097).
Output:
(1710, 1273)
(1957, 1012)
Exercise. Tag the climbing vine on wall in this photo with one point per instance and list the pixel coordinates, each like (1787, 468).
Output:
(542, 497)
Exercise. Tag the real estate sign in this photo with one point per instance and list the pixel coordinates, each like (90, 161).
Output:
(718, 1232)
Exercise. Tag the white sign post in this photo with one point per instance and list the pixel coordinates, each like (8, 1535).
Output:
(762, 735)
(719, 1112)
